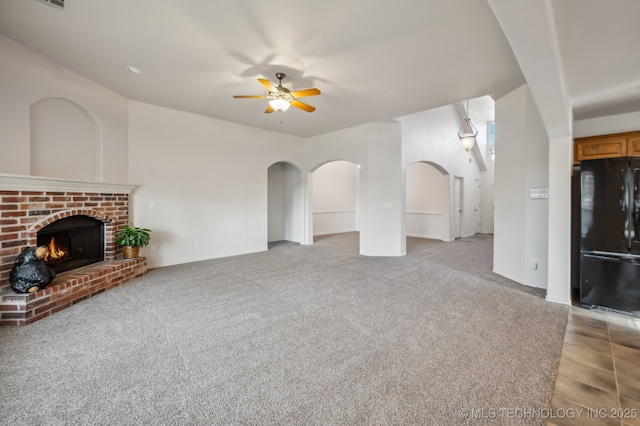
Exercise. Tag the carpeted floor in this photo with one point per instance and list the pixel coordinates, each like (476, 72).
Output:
(297, 335)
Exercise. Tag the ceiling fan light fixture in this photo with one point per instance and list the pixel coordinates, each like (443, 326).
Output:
(279, 104)
(280, 98)
(467, 132)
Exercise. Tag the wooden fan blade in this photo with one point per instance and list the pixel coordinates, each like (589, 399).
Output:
(306, 92)
(269, 109)
(303, 106)
(266, 83)
(249, 97)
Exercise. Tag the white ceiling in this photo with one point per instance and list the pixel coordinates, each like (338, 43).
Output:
(373, 60)
(600, 45)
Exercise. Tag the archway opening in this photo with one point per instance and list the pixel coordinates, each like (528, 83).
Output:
(336, 199)
(427, 201)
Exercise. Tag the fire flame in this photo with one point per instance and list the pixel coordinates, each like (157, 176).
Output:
(54, 252)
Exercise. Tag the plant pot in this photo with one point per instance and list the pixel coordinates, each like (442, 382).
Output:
(130, 252)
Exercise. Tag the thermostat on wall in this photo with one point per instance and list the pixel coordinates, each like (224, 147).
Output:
(539, 193)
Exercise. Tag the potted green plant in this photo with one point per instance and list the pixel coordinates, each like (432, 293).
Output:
(131, 238)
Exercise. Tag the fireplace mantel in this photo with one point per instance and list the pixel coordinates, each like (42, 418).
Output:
(37, 183)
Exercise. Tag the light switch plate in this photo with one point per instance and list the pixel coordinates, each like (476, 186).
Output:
(539, 193)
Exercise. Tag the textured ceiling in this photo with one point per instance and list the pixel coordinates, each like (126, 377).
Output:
(372, 60)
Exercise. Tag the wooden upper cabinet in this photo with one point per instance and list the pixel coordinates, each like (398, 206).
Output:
(609, 146)
(606, 146)
(633, 146)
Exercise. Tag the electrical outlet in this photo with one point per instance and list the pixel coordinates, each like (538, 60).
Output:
(196, 243)
(245, 239)
(534, 263)
(152, 248)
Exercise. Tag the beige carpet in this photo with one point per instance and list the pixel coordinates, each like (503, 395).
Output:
(297, 335)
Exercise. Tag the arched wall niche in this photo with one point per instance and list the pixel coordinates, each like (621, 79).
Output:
(65, 141)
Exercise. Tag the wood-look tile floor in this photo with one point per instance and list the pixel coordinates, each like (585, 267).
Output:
(598, 380)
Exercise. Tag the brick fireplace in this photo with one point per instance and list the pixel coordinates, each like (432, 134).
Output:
(29, 204)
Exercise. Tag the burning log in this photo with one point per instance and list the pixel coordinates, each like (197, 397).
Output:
(30, 273)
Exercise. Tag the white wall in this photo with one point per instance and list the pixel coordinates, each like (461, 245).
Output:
(206, 179)
(432, 136)
(285, 203)
(521, 223)
(336, 192)
(26, 78)
(277, 205)
(376, 148)
(294, 190)
(606, 125)
(427, 202)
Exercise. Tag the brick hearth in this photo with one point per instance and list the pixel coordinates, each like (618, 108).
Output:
(28, 204)
(68, 289)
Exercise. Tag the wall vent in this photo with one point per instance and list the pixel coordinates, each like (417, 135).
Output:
(56, 3)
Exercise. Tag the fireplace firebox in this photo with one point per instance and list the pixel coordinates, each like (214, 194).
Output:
(73, 242)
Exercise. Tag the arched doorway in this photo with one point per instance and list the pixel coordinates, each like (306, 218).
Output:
(427, 201)
(336, 198)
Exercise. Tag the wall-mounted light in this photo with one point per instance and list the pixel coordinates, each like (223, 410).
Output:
(492, 152)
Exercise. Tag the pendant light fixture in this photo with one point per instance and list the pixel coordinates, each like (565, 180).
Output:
(468, 132)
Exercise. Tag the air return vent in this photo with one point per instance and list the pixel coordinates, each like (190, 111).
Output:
(57, 3)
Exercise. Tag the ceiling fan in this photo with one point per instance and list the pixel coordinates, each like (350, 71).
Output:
(280, 98)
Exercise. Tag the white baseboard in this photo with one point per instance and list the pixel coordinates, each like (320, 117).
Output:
(430, 237)
(334, 232)
(560, 301)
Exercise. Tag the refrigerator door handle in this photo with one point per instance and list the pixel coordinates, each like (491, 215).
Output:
(636, 203)
(636, 194)
(623, 198)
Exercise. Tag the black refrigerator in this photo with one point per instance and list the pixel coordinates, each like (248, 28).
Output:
(610, 234)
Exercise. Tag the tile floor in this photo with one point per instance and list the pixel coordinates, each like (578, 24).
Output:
(599, 373)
